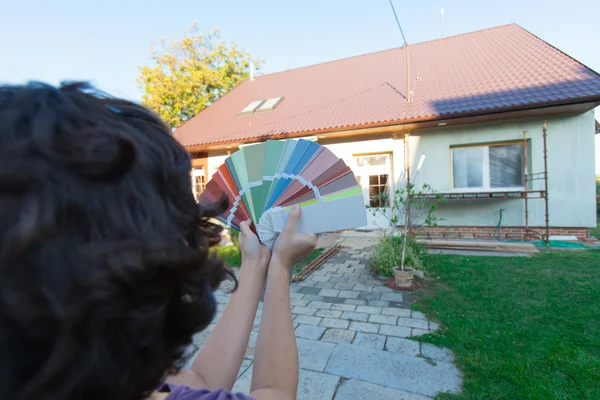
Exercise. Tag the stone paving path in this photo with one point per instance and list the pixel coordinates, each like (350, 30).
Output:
(353, 336)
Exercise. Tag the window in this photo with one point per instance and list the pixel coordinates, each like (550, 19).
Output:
(377, 188)
(198, 182)
(488, 167)
(373, 174)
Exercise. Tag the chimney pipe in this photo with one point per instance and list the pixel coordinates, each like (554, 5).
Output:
(251, 70)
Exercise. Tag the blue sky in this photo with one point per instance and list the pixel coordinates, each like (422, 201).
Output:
(106, 41)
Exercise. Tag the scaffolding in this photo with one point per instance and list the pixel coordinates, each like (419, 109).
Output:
(527, 194)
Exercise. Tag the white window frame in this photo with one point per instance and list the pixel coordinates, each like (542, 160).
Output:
(485, 170)
(365, 171)
(196, 172)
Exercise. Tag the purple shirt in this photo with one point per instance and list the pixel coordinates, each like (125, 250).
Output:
(179, 392)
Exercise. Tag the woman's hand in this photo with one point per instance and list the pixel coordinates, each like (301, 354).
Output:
(253, 252)
(291, 246)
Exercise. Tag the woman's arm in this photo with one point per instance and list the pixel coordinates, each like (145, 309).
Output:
(275, 371)
(217, 365)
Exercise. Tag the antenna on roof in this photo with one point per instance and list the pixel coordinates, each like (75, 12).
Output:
(442, 23)
(408, 93)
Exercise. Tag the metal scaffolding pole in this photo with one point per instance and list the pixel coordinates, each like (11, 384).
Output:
(544, 135)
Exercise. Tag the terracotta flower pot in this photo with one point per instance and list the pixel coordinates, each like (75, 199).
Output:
(404, 279)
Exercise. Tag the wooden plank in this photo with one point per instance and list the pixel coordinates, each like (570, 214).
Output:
(316, 263)
(479, 245)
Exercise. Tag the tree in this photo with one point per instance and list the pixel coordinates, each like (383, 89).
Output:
(188, 75)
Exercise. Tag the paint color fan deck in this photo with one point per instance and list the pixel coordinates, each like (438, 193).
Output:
(263, 181)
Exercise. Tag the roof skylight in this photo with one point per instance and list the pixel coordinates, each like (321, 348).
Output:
(250, 108)
(270, 104)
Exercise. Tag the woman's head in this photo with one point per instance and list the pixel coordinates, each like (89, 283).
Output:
(104, 267)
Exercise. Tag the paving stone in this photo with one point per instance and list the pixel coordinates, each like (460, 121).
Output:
(307, 283)
(328, 313)
(343, 307)
(398, 312)
(221, 299)
(325, 285)
(338, 336)
(344, 286)
(391, 296)
(309, 290)
(356, 302)
(329, 292)
(294, 288)
(369, 296)
(243, 382)
(364, 327)
(413, 323)
(303, 310)
(299, 302)
(312, 297)
(404, 346)
(418, 315)
(353, 262)
(419, 332)
(353, 278)
(368, 309)
(320, 305)
(317, 278)
(309, 331)
(434, 326)
(383, 319)
(399, 371)
(383, 289)
(199, 339)
(313, 354)
(370, 340)
(354, 389)
(316, 385)
(251, 345)
(305, 319)
(337, 279)
(363, 288)
(335, 323)
(398, 331)
(296, 295)
(348, 294)
(245, 365)
(437, 353)
(295, 325)
(378, 303)
(333, 300)
(398, 304)
(354, 316)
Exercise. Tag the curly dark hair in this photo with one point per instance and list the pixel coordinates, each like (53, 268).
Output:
(105, 271)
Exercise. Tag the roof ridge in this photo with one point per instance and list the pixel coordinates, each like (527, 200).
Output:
(386, 50)
(557, 49)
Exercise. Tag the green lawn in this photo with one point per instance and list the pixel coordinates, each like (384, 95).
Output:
(230, 255)
(521, 328)
(232, 258)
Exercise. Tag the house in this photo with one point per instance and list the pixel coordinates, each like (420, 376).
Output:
(474, 105)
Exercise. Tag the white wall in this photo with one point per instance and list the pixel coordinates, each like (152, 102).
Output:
(571, 169)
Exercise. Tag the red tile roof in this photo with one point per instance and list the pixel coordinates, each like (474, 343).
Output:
(496, 69)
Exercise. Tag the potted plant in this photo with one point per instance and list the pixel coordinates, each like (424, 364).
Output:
(409, 208)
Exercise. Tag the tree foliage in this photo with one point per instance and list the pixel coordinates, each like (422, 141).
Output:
(188, 75)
